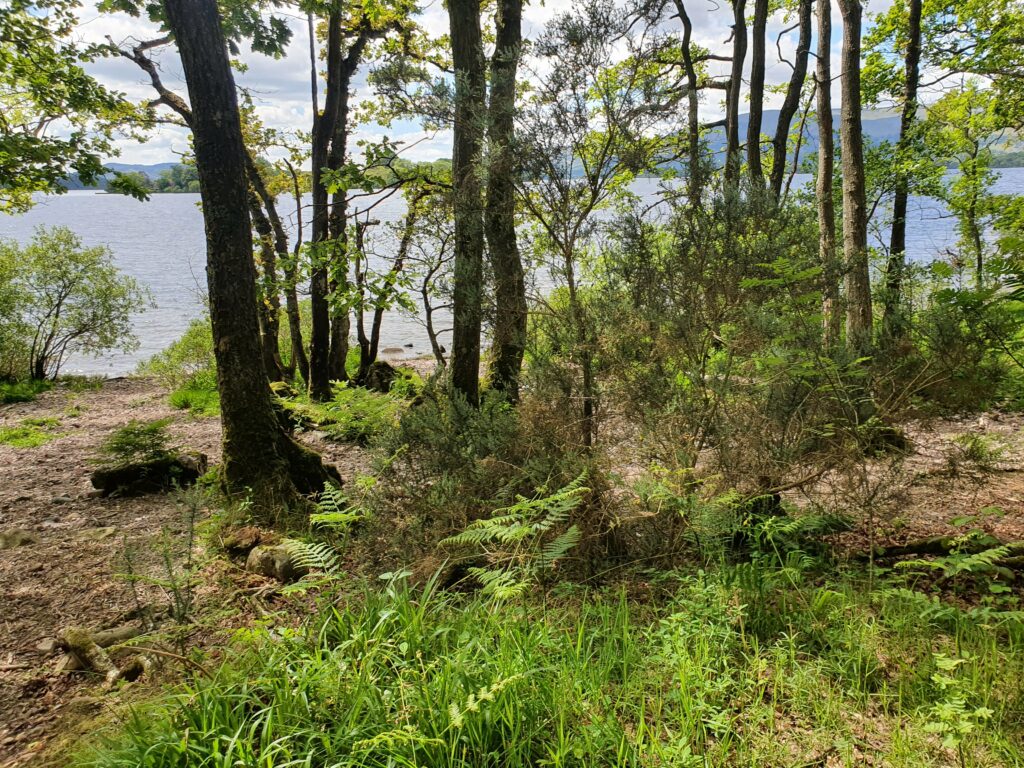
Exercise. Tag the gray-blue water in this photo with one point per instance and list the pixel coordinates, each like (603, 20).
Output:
(161, 244)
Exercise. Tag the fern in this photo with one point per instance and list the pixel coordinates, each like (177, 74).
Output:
(334, 511)
(315, 556)
(523, 540)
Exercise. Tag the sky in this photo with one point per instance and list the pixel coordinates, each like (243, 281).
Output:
(280, 87)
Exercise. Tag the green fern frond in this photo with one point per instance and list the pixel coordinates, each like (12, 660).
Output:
(316, 556)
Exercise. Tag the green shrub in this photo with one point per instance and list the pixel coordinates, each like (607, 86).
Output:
(22, 391)
(137, 442)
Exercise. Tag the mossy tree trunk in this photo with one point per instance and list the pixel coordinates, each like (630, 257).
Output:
(260, 460)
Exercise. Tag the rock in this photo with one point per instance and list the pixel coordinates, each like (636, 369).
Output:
(392, 351)
(99, 534)
(408, 346)
(275, 562)
(60, 500)
(16, 537)
(380, 377)
(48, 645)
(242, 541)
(154, 476)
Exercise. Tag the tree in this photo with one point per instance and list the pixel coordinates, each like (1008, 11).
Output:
(67, 299)
(754, 116)
(732, 99)
(855, 215)
(510, 310)
(792, 100)
(830, 310)
(962, 126)
(55, 119)
(259, 457)
(467, 144)
(900, 28)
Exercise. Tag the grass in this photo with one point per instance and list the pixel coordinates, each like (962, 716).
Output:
(686, 671)
(22, 391)
(199, 401)
(30, 433)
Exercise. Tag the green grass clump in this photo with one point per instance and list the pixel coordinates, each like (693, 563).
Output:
(22, 391)
(30, 433)
(197, 400)
(394, 677)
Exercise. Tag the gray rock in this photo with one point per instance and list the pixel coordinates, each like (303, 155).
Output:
(275, 562)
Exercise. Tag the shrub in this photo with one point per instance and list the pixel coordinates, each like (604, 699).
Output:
(68, 298)
(137, 442)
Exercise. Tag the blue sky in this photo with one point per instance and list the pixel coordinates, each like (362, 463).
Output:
(280, 87)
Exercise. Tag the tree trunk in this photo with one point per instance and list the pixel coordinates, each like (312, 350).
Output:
(894, 320)
(855, 221)
(830, 272)
(756, 113)
(468, 61)
(268, 297)
(509, 340)
(791, 103)
(323, 130)
(299, 360)
(732, 101)
(260, 460)
(695, 171)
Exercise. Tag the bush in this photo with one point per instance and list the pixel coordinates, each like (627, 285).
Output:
(137, 442)
(22, 391)
(68, 298)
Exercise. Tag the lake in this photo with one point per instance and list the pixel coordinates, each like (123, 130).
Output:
(161, 244)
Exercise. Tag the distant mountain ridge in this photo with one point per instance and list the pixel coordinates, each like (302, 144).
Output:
(879, 126)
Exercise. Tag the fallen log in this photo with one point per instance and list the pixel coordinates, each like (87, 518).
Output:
(102, 639)
(947, 545)
(153, 476)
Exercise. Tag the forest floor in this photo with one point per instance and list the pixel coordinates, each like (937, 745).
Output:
(62, 548)
(70, 565)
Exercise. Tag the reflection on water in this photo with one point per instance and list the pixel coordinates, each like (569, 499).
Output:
(161, 244)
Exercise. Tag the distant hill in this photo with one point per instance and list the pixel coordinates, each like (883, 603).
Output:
(152, 171)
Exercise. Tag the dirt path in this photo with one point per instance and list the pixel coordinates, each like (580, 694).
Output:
(66, 572)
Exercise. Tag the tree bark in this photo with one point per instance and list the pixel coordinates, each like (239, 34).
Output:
(855, 221)
(791, 103)
(830, 310)
(299, 360)
(260, 460)
(695, 171)
(468, 61)
(268, 296)
(732, 106)
(509, 342)
(323, 130)
(756, 113)
(894, 321)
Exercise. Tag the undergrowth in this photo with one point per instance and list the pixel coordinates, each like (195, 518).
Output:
(30, 433)
(765, 665)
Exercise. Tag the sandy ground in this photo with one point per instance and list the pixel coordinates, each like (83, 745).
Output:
(70, 572)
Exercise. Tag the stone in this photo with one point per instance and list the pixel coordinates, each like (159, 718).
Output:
(380, 377)
(60, 500)
(242, 541)
(48, 645)
(16, 537)
(99, 534)
(276, 562)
